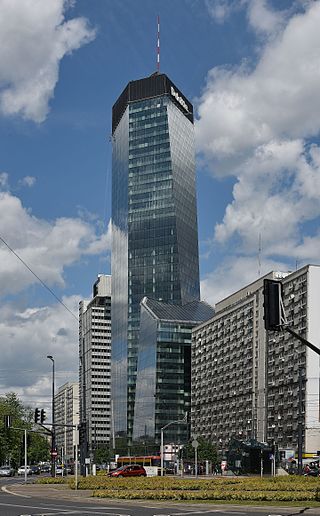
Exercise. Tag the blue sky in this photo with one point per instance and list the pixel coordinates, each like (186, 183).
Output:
(251, 68)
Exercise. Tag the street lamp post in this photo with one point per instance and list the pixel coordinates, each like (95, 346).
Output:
(53, 432)
(184, 420)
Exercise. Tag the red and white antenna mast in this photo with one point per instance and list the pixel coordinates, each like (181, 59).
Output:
(158, 44)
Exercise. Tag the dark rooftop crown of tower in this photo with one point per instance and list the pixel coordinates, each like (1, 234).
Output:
(153, 86)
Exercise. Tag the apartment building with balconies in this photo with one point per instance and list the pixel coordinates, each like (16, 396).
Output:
(245, 381)
(66, 410)
(94, 368)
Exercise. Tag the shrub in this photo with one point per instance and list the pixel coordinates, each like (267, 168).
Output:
(218, 488)
(51, 480)
(205, 495)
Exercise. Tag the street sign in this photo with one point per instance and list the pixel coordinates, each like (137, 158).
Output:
(54, 453)
(195, 443)
(194, 436)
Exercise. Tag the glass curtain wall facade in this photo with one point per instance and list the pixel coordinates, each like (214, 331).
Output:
(155, 241)
(163, 392)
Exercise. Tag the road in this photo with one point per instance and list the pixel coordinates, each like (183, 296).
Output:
(17, 499)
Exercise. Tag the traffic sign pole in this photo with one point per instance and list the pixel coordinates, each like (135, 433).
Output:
(195, 445)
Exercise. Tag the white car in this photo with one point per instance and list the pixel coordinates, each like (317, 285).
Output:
(7, 471)
(21, 470)
(60, 470)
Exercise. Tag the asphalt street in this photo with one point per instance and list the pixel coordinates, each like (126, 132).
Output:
(17, 499)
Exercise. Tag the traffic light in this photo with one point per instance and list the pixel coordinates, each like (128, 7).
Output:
(43, 416)
(37, 415)
(272, 294)
(82, 433)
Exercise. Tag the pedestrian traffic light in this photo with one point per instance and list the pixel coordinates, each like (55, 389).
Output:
(37, 415)
(43, 416)
(272, 294)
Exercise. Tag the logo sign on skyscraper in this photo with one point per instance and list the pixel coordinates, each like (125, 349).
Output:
(178, 98)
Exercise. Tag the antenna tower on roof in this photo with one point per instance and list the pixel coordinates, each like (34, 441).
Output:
(158, 44)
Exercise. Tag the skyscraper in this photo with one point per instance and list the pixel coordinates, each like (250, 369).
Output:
(154, 220)
(94, 370)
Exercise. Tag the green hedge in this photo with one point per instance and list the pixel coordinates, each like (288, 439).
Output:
(229, 484)
(207, 495)
(168, 488)
(51, 480)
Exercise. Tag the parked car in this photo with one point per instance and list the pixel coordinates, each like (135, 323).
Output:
(60, 470)
(131, 470)
(21, 470)
(7, 471)
(311, 470)
(35, 470)
(45, 468)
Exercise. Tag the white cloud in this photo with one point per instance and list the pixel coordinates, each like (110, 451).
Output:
(101, 243)
(28, 336)
(34, 38)
(233, 274)
(261, 16)
(47, 247)
(261, 126)
(4, 180)
(276, 195)
(278, 178)
(220, 10)
(27, 181)
(241, 109)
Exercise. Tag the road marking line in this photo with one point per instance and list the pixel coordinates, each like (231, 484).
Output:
(14, 494)
(205, 512)
(75, 512)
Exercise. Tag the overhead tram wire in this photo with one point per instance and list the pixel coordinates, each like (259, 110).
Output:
(39, 279)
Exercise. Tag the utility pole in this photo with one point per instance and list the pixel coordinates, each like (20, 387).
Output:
(25, 455)
(53, 440)
(300, 424)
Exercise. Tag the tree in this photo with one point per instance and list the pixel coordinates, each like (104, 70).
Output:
(102, 454)
(39, 448)
(12, 439)
(206, 451)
